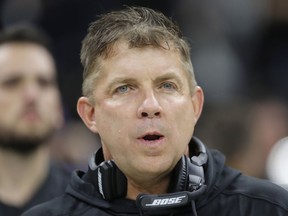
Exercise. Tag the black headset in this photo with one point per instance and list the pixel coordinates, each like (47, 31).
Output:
(187, 183)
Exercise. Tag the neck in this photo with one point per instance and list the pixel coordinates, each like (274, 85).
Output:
(151, 186)
(21, 175)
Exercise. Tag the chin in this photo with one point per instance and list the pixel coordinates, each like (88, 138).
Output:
(156, 169)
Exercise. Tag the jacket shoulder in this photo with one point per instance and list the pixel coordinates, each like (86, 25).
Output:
(44, 209)
(244, 196)
(65, 205)
(260, 191)
(62, 205)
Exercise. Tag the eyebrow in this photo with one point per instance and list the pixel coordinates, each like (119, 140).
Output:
(11, 77)
(169, 76)
(21, 76)
(118, 80)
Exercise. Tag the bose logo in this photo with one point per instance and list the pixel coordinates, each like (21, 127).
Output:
(166, 201)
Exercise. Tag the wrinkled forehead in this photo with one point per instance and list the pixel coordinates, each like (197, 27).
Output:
(124, 44)
(123, 47)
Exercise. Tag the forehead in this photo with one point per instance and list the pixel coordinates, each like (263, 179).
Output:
(25, 59)
(141, 58)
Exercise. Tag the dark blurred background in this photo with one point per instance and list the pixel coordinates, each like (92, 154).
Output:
(239, 49)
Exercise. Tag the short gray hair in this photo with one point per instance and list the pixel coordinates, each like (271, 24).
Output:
(139, 27)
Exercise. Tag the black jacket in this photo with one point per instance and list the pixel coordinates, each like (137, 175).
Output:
(53, 186)
(228, 193)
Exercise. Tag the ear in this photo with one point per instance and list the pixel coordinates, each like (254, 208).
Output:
(197, 100)
(86, 111)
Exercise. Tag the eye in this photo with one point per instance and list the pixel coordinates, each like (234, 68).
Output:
(12, 82)
(45, 82)
(168, 86)
(123, 89)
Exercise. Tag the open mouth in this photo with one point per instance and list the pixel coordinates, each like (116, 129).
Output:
(152, 137)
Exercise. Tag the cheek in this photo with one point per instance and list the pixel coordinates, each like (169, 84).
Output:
(182, 110)
(112, 119)
(10, 99)
(183, 119)
(10, 113)
(112, 131)
(10, 107)
(51, 107)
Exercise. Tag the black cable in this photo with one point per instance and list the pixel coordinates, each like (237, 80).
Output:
(194, 208)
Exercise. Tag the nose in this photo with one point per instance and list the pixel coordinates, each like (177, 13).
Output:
(150, 107)
(31, 92)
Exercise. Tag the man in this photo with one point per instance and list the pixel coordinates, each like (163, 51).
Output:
(30, 111)
(141, 97)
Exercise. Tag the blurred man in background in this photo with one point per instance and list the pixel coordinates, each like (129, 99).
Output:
(30, 112)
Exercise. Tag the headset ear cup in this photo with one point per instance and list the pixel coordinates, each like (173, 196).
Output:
(112, 183)
(107, 177)
(120, 183)
(179, 176)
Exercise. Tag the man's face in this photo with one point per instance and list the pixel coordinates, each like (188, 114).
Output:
(30, 106)
(144, 111)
